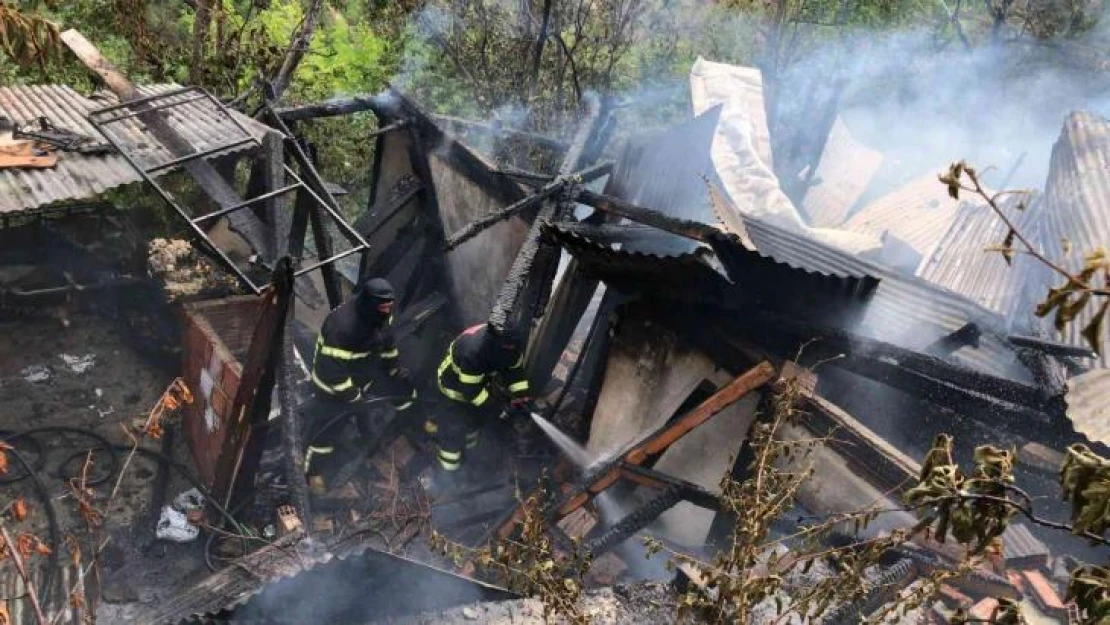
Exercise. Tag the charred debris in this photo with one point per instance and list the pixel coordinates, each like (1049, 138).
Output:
(667, 293)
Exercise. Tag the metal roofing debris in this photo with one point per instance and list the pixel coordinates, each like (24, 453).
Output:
(739, 160)
(846, 169)
(1089, 406)
(918, 213)
(961, 262)
(79, 176)
(1022, 549)
(1077, 205)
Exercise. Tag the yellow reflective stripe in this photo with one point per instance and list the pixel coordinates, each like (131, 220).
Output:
(342, 386)
(450, 455)
(516, 387)
(393, 353)
(467, 378)
(464, 377)
(430, 427)
(450, 466)
(336, 352)
(481, 398)
(519, 362)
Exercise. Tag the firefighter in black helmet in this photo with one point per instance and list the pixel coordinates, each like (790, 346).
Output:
(473, 359)
(357, 357)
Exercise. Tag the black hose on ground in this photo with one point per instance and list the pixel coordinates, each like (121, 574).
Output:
(52, 520)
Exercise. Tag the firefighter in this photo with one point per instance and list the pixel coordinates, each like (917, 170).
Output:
(357, 359)
(473, 359)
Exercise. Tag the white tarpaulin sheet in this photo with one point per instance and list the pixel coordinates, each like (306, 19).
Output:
(741, 152)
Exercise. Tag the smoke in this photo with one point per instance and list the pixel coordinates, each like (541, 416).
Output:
(920, 103)
(924, 108)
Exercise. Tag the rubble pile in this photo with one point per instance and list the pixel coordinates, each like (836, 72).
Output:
(183, 272)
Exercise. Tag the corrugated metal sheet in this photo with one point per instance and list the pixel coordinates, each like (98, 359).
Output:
(918, 213)
(1088, 400)
(906, 311)
(1021, 548)
(79, 176)
(846, 168)
(1077, 206)
(961, 263)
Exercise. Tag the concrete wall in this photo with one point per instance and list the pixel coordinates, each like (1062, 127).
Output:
(478, 267)
(649, 374)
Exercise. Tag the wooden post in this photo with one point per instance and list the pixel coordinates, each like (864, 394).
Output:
(234, 458)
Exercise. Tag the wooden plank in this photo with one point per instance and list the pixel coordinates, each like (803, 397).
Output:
(723, 398)
(745, 383)
(866, 452)
(27, 162)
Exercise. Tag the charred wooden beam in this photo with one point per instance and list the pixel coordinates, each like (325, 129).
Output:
(651, 217)
(688, 491)
(559, 185)
(487, 128)
(654, 444)
(1051, 347)
(966, 336)
(333, 108)
(531, 262)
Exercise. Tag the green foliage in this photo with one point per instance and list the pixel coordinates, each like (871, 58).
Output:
(1085, 478)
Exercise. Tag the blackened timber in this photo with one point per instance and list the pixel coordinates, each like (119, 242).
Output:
(688, 491)
(321, 238)
(556, 186)
(342, 106)
(506, 310)
(377, 218)
(1051, 347)
(966, 336)
(474, 228)
(538, 139)
(670, 433)
(616, 206)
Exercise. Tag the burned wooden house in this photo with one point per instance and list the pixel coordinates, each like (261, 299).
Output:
(668, 285)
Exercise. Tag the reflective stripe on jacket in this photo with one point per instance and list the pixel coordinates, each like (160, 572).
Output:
(471, 359)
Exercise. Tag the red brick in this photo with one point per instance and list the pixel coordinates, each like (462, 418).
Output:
(953, 598)
(984, 609)
(1043, 592)
(1016, 579)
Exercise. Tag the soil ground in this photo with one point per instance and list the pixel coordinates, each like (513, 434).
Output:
(89, 375)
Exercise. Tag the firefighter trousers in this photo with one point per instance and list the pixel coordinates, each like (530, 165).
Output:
(459, 426)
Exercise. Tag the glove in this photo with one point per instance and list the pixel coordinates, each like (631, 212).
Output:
(520, 407)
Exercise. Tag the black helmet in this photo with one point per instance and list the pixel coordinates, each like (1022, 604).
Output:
(509, 339)
(374, 294)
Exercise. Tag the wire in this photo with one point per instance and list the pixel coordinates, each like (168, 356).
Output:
(52, 520)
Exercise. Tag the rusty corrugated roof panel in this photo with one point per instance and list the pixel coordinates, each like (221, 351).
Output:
(1077, 206)
(1088, 400)
(961, 263)
(918, 213)
(79, 176)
